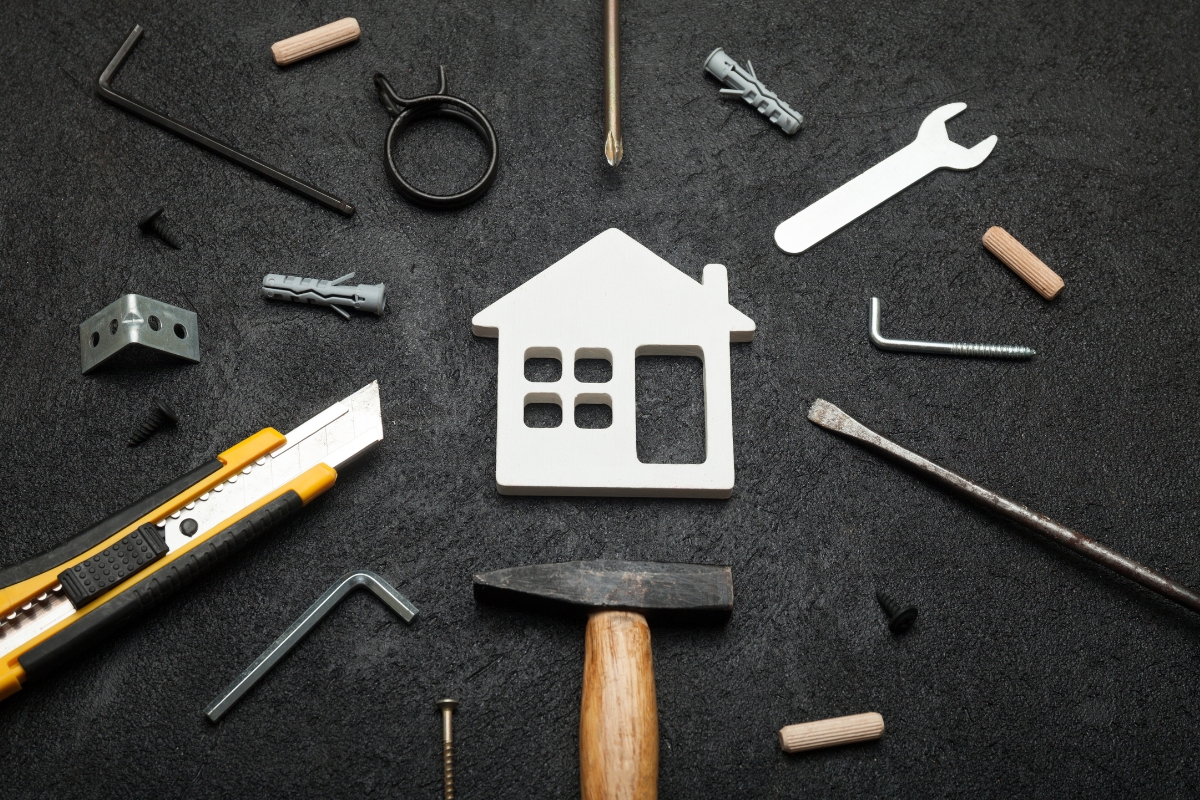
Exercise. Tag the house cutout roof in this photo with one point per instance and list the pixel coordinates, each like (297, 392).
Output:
(613, 279)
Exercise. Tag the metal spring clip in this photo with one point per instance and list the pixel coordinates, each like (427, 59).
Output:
(440, 104)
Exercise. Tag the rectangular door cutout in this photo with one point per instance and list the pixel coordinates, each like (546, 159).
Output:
(669, 391)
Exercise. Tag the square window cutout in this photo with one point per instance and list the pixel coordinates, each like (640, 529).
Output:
(543, 410)
(543, 364)
(593, 411)
(593, 365)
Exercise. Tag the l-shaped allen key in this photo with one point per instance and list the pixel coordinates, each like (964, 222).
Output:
(300, 628)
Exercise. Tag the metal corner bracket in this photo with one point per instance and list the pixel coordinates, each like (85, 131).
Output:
(136, 320)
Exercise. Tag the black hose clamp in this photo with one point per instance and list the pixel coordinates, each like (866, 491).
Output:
(441, 104)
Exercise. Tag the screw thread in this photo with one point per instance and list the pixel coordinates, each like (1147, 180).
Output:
(448, 771)
(890, 607)
(160, 415)
(992, 350)
(165, 231)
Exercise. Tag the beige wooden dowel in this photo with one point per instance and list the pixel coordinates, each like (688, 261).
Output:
(1029, 267)
(830, 732)
(318, 40)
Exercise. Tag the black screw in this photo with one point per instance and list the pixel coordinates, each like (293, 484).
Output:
(154, 223)
(161, 414)
(899, 619)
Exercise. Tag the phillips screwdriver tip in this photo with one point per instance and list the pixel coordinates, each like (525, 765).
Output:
(613, 149)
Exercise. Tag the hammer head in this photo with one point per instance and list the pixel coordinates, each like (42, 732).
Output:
(660, 590)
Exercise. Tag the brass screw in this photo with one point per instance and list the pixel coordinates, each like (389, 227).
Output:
(447, 706)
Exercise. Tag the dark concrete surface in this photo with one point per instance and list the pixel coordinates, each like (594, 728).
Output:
(1030, 672)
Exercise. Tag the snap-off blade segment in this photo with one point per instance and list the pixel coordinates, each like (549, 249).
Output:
(334, 437)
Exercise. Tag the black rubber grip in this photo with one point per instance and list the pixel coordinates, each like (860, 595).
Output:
(104, 528)
(115, 564)
(106, 618)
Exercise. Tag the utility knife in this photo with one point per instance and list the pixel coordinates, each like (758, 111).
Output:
(64, 602)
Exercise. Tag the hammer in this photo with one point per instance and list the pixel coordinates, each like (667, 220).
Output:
(618, 723)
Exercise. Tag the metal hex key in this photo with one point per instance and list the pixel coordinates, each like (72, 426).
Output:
(300, 628)
(105, 90)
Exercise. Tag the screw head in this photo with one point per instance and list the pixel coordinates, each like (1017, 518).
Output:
(146, 220)
(903, 621)
(447, 704)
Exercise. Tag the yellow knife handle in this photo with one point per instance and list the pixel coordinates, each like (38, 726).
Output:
(155, 585)
(105, 528)
(37, 575)
(149, 576)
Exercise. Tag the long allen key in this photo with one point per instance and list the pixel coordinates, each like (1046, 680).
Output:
(932, 150)
(105, 90)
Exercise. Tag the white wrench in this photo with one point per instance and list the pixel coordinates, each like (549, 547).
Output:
(931, 150)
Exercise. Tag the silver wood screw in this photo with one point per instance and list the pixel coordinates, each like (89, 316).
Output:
(942, 348)
(447, 706)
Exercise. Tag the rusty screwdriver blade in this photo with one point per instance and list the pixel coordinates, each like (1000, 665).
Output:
(613, 146)
(833, 418)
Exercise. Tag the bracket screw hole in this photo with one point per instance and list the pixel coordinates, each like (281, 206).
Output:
(95, 338)
(180, 331)
(154, 323)
(112, 327)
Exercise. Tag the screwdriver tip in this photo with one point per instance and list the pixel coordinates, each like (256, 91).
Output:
(613, 149)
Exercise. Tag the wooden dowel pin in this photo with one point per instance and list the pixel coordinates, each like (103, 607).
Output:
(1029, 267)
(830, 732)
(318, 40)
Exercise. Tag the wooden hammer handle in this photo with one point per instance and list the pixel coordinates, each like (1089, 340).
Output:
(1029, 267)
(830, 732)
(618, 724)
(318, 40)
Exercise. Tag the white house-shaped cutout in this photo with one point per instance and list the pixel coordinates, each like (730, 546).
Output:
(610, 298)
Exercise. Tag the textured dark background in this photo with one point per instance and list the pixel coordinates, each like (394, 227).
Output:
(1029, 672)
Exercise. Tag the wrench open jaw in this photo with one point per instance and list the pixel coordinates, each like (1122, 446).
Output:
(930, 151)
(932, 135)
